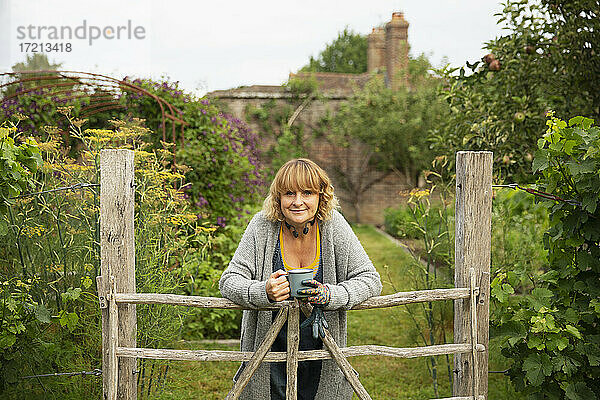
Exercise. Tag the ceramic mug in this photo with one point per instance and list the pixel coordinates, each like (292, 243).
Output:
(295, 277)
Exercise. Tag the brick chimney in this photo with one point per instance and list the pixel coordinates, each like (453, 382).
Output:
(376, 50)
(396, 51)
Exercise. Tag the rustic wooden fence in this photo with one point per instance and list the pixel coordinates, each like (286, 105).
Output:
(117, 296)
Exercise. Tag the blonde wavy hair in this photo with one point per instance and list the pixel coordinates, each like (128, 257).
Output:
(298, 175)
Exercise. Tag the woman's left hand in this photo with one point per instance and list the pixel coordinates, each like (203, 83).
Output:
(319, 294)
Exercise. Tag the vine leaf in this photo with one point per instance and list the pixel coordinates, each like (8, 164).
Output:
(573, 331)
(537, 367)
(42, 314)
(579, 391)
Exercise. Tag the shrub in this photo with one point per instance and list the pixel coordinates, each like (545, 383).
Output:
(426, 221)
(400, 221)
(57, 258)
(189, 219)
(18, 162)
(518, 254)
(225, 174)
(202, 279)
(224, 177)
(551, 334)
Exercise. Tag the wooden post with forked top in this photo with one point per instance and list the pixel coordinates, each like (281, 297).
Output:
(473, 220)
(117, 265)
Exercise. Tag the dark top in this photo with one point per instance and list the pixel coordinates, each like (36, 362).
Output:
(309, 372)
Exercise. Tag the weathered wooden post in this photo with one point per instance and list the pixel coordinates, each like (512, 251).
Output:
(293, 341)
(473, 220)
(117, 252)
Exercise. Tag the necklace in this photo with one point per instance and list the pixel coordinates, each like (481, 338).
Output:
(295, 233)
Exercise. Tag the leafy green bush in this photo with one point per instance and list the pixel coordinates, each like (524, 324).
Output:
(20, 325)
(400, 221)
(518, 226)
(202, 279)
(225, 175)
(551, 334)
(429, 222)
(219, 157)
(18, 162)
(189, 219)
(57, 257)
(518, 254)
(224, 172)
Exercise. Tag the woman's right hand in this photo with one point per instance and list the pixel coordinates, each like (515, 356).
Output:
(278, 287)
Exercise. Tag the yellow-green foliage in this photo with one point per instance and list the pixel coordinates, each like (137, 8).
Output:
(54, 326)
(18, 161)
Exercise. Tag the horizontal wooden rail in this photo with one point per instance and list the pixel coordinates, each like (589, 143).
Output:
(391, 300)
(352, 351)
(188, 301)
(419, 296)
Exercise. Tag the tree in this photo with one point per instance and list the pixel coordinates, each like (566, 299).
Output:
(383, 131)
(347, 54)
(36, 62)
(548, 60)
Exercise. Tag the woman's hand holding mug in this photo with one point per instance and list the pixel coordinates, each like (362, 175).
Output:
(278, 287)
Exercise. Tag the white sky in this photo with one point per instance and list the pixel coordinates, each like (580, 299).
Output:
(224, 44)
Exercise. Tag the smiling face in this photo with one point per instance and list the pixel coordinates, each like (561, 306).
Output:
(299, 206)
(300, 192)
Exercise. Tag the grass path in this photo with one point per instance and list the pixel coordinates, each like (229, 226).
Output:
(383, 377)
(387, 377)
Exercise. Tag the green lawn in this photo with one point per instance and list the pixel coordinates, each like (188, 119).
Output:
(383, 377)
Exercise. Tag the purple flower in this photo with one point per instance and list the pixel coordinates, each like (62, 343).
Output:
(202, 202)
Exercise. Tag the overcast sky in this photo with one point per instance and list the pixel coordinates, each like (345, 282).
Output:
(220, 45)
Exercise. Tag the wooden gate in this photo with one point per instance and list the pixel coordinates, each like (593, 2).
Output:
(117, 296)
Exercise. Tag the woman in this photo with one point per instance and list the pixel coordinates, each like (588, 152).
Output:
(298, 227)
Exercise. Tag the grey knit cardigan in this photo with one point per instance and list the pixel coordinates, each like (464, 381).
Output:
(347, 271)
